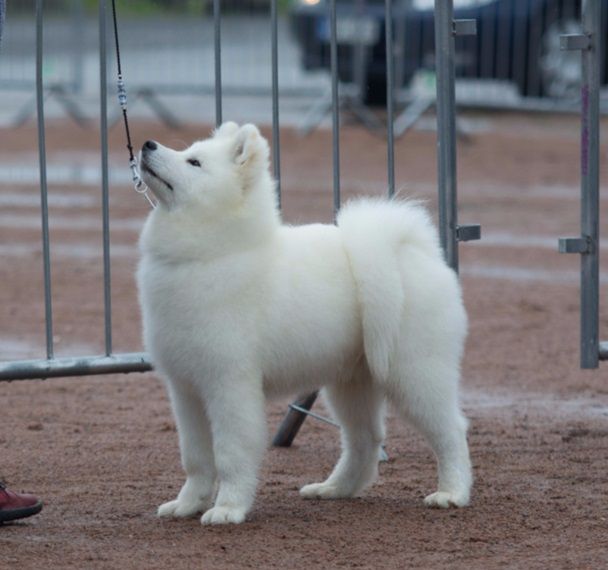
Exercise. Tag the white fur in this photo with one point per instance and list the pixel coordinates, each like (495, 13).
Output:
(237, 306)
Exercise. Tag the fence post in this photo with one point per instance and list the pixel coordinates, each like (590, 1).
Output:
(217, 51)
(105, 182)
(46, 254)
(293, 420)
(446, 28)
(274, 48)
(446, 129)
(588, 244)
(390, 95)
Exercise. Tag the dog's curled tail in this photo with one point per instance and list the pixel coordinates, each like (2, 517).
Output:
(375, 234)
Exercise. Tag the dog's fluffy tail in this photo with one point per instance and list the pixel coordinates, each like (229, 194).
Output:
(375, 233)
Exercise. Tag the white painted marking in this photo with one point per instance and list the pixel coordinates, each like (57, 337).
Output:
(55, 199)
(129, 252)
(20, 349)
(88, 223)
(522, 274)
(506, 239)
(78, 223)
(16, 349)
(544, 404)
(72, 173)
(75, 172)
(68, 251)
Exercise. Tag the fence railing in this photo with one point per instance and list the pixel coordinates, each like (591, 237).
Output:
(76, 366)
(116, 362)
(447, 43)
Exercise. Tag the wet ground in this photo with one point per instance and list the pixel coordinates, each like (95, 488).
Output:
(102, 452)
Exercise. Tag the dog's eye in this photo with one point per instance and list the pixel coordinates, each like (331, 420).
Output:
(194, 162)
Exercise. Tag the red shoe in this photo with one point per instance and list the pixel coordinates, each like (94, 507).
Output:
(16, 505)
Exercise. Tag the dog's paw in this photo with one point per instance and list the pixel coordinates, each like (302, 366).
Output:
(224, 515)
(325, 491)
(181, 509)
(444, 500)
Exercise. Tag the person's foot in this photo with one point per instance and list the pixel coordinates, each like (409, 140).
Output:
(15, 506)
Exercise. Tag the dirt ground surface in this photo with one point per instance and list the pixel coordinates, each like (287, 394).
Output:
(102, 451)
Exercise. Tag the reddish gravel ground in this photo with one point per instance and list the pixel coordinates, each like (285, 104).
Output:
(102, 451)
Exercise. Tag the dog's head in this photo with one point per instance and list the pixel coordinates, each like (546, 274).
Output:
(211, 177)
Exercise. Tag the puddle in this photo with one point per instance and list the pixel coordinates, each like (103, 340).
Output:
(545, 405)
(520, 274)
(12, 349)
(86, 175)
(69, 251)
(55, 199)
(80, 223)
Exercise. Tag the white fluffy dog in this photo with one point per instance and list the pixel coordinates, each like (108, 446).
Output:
(237, 306)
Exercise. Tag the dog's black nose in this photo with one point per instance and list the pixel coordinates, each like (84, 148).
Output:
(150, 145)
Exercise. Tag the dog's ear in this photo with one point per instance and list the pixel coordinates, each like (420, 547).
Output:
(226, 129)
(250, 146)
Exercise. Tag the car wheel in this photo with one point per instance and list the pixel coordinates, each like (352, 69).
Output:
(375, 90)
(374, 93)
(559, 70)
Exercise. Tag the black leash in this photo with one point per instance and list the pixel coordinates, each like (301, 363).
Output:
(138, 183)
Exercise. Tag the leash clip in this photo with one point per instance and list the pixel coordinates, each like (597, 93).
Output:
(138, 184)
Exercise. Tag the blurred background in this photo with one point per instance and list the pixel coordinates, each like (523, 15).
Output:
(514, 61)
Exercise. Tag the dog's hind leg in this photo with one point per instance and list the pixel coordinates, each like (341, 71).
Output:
(428, 398)
(358, 405)
(196, 449)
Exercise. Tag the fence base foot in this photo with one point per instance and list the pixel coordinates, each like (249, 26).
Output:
(349, 100)
(65, 100)
(293, 420)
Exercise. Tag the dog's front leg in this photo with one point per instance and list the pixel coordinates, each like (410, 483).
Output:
(196, 449)
(236, 411)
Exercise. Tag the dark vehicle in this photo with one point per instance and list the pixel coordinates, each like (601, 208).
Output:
(516, 41)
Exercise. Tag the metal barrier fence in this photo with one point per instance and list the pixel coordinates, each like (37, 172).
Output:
(109, 362)
(184, 47)
(589, 43)
(447, 30)
(451, 233)
(64, 67)
(112, 362)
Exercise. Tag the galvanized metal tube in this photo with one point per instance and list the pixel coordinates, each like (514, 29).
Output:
(217, 19)
(390, 96)
(105, 196)
(335, 105)
(293, 420)
(78, 366)
(78, 37)
(276, 152)
(399, 50)
(358, 50)
(446, 129)
(590, 157)
(44, 207)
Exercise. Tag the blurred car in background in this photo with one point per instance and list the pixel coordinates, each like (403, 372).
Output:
(516, 41)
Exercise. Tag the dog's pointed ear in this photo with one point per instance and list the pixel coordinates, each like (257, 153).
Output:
(226, 129)
(250, 146)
